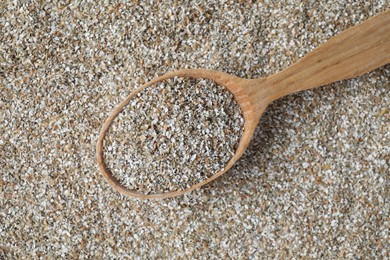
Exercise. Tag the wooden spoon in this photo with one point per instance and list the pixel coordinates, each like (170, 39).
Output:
(351, 53)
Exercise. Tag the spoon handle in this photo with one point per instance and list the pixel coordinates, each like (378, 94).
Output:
(351, 53)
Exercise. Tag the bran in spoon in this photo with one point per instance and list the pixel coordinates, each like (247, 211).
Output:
(173, 135)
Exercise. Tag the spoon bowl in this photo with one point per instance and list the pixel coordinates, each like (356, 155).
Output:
(233, 84)
(351, 53)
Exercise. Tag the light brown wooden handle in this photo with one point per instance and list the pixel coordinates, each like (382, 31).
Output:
(351, 53)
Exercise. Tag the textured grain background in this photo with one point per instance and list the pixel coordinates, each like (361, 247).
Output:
(314, 182)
